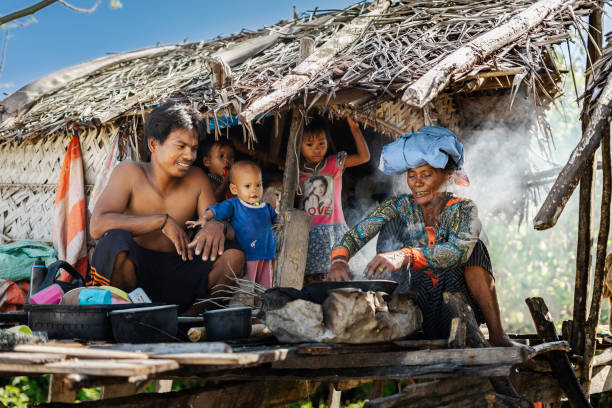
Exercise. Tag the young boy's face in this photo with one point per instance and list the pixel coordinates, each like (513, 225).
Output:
(246, 184)
(219, 160)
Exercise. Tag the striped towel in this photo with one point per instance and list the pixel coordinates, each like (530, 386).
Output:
(69, 224)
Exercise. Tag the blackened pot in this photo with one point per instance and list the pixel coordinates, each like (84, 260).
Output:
(228, 324)
(145, 324)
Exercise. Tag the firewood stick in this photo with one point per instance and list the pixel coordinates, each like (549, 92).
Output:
(196, 334)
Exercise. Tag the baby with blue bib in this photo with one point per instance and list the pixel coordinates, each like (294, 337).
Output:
(251, 219)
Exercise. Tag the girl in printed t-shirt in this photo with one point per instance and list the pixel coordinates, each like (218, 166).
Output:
(321, 182)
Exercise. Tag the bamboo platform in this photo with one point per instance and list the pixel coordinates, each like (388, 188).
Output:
(286, 371)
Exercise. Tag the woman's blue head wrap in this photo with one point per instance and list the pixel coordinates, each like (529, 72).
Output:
(431, 145)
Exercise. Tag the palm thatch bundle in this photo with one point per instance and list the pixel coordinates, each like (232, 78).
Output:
(395, 48)
(600, 73)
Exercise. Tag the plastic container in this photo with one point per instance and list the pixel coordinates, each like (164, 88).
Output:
(74, 322)
(95, 297)
(49, 295)
(37, 276)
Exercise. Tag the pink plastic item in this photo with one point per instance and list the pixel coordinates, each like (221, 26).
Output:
(47, 296)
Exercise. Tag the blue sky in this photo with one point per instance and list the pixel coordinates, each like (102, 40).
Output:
(61, 37)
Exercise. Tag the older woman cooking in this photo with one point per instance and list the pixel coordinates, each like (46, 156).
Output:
(430, 234)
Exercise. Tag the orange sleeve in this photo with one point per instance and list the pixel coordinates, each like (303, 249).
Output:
(340, 252)
(417, 259)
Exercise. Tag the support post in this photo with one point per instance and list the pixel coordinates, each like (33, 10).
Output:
(600, 260)
(585, 211)
(290, 183)
(60, 389)
(583, 257)
(335, 397)
(559, 362)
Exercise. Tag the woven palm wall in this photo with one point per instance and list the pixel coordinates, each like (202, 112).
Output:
(29, 176)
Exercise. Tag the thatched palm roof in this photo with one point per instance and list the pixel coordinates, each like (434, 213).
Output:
(601, 72)
(396, 48)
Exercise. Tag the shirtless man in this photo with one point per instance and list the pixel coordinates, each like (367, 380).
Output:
(140, 219)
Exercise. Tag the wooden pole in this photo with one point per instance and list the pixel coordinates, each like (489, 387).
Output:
(583, 258)
(585, 207)
(427, 87)
(600, 260)
(578, 162)
(292, 162)
(319, 60)
(559, 362)
(290, 183)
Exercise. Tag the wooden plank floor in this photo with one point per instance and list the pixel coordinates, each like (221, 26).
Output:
(382, 359)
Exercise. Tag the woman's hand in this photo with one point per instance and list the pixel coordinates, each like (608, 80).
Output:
(177, 235)
(209, 241)
(339, 271)
(386, 263)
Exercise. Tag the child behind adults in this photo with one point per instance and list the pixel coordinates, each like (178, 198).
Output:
(251, 219)
(217, 157)
(321, 181)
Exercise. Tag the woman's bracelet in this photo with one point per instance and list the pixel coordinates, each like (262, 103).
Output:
(408, 252)
(339, 260)
(164, 224)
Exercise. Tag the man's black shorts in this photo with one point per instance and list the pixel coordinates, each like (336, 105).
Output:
(164, 276)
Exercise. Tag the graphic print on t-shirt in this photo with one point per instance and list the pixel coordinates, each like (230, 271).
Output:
(319, 196)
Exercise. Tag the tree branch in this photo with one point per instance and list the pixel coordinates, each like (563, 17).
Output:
(26, 11)
(81, 10)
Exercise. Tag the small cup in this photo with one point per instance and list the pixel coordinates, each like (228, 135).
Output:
(47, 296)
(95, 297)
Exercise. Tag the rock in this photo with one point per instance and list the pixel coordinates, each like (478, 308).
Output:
(348, 315)
(298, 321)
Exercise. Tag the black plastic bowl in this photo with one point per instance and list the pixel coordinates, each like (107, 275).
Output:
(228, 324)
(86, 322)
(145, 324)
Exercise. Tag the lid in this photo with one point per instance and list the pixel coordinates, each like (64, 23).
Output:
(143, 309)
(239, 309)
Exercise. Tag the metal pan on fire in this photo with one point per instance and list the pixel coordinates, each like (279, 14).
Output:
(317, 291)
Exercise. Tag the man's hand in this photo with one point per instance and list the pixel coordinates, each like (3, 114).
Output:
(209, 241)
(385, 263)
(339, 271)
(178, 236)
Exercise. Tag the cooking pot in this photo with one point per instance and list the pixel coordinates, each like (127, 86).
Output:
(318, 291)
(145, 324)
(227, 324)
